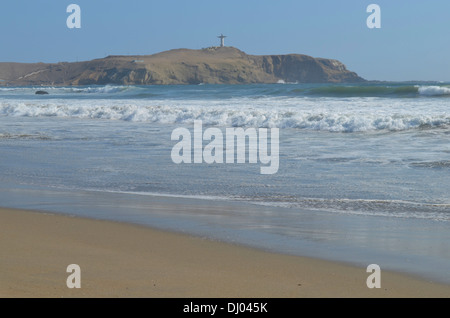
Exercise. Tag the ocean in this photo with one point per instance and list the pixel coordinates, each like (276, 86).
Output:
(363, 178)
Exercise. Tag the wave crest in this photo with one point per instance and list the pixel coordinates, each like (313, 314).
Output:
(226, 116)
(434, 90)
(107, 89)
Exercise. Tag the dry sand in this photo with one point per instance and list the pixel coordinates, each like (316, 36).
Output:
(123, 260)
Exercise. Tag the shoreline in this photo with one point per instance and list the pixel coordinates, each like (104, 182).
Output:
(126, 260)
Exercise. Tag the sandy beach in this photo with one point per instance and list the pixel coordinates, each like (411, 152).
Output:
(124, 260)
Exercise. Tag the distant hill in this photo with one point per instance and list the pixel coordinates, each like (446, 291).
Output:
(215, 65)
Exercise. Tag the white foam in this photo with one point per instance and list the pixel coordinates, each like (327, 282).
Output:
(434, 90)
(107, 89)
(367, 207)
(343, 115)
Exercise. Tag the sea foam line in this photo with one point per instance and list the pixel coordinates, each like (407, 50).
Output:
(359, 116)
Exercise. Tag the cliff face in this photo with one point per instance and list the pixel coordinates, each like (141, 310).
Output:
(215, 65)
(306, 69)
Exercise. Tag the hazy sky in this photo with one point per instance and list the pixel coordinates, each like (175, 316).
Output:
(412, 44)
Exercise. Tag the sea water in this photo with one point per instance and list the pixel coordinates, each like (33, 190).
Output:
(364, 171)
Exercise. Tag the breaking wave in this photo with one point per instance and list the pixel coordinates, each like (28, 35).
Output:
(107, 89)
(434, 90)
(393, 90)
(234, 116)
(377, 91)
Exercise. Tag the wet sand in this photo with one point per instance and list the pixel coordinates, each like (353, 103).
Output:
(125, 260)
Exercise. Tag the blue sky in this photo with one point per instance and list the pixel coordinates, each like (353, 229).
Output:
(412, 44)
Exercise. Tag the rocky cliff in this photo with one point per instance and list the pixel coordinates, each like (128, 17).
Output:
(215, 65)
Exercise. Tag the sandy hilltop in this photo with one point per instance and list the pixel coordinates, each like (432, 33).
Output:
(214, 65)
